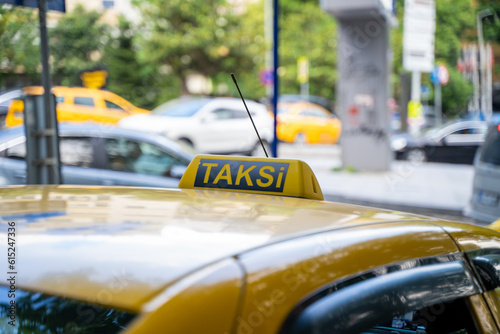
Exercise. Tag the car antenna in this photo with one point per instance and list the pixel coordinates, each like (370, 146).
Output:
(248, 112)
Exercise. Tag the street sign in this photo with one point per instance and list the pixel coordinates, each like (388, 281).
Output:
(418, 35)
(425, 92)
(266, 77)
(443, 75)
(58, 5)
(302, 70)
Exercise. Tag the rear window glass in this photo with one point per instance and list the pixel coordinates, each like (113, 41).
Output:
(491, 147)
(39, 313)
(186, 109)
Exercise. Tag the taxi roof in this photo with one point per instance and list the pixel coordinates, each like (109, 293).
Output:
(133, 242)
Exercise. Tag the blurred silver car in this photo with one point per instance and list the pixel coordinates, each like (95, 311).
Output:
(210, 125)
(485, 201)
(94, 154)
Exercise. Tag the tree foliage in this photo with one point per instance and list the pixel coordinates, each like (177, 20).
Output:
(76, 44)
(19, 41)
(189, 37)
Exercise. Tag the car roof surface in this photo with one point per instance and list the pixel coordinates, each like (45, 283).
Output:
(90, 237)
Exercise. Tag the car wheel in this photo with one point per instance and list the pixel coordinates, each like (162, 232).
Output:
(300, 138)
(416, 155)
(187, 144)
(257, 149)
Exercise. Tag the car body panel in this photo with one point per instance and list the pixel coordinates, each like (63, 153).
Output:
(207, 133)
(13, 171)
(280, 276)
(316, 124)
(69, 111)
(444, 144)
(54, 218)
(217, 285)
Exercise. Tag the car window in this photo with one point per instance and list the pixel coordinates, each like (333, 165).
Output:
(443, 318)
(411, 297)
(491, 147)
(84, 101)
(186, 109)
(139, 157)
(76, 151)
(59, 99)
(241, 113)
(222, 114)
(112, 105)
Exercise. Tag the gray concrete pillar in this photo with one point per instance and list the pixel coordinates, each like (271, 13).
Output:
(363, 57)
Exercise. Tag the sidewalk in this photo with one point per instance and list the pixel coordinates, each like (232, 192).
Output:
(436, 186)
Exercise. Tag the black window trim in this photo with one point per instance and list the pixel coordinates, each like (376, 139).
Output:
(376, 287)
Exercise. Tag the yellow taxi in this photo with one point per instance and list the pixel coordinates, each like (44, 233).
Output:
(307, 123)
(245, 245)
(78, 104)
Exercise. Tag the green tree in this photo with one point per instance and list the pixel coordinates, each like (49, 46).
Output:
(19, 41)
(188, 37)
(76, 44)
(305, 30)
(127, 76)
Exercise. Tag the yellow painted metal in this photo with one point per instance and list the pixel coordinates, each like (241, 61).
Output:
(282, 275)
(493, 300)
(482, 315)
(495, 225)
(67, 111)
(472, 237)
(203, 302)
(120, 246)
(270, 176)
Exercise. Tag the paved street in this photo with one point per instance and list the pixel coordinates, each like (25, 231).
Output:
(434, 189)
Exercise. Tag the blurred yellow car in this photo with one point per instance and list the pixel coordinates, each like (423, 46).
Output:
(245, 246)
(307, 123)
(78, 104)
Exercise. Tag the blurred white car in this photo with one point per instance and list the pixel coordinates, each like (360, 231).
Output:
(210, 125)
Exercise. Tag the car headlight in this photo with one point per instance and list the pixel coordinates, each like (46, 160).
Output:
(398, 144)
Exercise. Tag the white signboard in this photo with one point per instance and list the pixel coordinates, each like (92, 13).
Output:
(418, 35)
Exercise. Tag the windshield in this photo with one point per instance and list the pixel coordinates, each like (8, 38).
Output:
(186, 109)
(39, 313)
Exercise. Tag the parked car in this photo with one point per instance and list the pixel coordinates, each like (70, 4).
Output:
(6, 99)
(210, 125)
(79, 104)
(100, 155)
(485, 200)
(265, 255)
(304, 122)
(455, 142)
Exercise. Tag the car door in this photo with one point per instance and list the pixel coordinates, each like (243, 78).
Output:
(460, 146)
(130, 162)
(77, 161)
(225, 130)
(390, 275)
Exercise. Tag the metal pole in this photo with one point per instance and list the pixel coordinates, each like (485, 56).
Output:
(275, 75)
(49, 171)
(437, 104)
